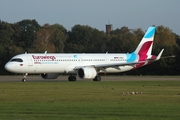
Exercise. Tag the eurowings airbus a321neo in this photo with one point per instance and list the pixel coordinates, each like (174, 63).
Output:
(85, 66)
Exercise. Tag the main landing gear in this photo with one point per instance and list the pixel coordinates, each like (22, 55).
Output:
(72, 78)
(97, 78)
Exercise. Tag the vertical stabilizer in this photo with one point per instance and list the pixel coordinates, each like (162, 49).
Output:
(145, 46)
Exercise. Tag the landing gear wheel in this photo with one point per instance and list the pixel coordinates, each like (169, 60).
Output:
(97, 78)
(24, 80)
(72, 78)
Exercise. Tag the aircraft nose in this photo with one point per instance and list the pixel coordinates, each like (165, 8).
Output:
(8, 67)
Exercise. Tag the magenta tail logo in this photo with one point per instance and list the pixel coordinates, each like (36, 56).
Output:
(145, 47)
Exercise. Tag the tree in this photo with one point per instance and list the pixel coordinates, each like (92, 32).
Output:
(6, 33)
(86, 39)
(177, 38)
(98, 41)
(26, 31)
(81, 35)
(43, 41)
(59, 36)
(164, 38)
(123, 40)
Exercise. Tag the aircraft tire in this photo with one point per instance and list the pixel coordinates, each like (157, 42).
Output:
(97, 78)
(24, 80)
(72, 78)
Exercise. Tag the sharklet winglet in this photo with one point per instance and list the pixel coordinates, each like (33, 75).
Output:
(159, 56)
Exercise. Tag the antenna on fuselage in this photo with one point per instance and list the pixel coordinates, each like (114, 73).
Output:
(45, 52)
(26, 52)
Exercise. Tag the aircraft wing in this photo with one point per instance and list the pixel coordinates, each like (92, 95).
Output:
(114, 65)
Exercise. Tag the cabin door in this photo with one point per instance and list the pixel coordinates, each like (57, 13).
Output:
(30, 61)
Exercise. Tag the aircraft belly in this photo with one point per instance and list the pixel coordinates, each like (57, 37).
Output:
(49, 68)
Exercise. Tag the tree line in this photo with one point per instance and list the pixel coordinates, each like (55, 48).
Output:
(28, 35)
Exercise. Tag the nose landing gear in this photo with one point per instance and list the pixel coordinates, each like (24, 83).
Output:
(25, 77)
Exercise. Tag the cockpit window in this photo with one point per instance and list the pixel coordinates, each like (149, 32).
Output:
(16, 60)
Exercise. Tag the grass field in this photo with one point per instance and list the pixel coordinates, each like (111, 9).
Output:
(159, 100)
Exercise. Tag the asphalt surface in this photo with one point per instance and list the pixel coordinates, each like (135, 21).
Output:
(64, 78)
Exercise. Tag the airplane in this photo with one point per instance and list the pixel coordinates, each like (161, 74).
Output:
(85, 66)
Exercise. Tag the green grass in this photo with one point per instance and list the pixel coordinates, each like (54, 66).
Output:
(160, 100)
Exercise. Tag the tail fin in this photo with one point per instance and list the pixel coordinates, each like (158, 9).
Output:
(145, 46)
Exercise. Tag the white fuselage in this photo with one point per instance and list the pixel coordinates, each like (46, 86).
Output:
(65, 63)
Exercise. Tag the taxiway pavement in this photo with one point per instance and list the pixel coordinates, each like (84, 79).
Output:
(37, 78)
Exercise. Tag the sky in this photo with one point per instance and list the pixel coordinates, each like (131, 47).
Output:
(95, 13)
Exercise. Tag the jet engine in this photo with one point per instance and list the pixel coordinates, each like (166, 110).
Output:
(49, 75)
(87, 73)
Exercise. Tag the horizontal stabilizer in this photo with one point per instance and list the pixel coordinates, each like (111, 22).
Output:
(168, 56)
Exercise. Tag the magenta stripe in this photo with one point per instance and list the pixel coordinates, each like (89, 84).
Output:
(144, 49)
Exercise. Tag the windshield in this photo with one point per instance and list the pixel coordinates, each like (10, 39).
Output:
(16, 60)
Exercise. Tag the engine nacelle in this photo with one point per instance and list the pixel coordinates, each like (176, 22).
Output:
(87, 73)
(49, 75)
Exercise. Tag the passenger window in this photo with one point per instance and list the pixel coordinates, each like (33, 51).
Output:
(16, 60)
